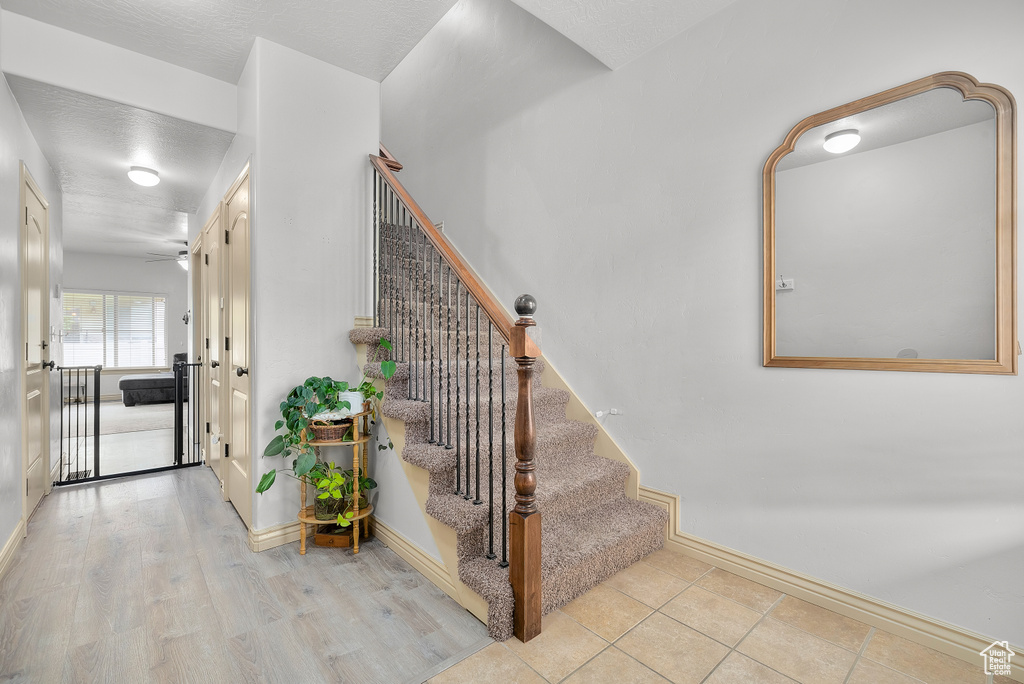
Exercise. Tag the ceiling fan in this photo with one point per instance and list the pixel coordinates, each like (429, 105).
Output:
(181, 257)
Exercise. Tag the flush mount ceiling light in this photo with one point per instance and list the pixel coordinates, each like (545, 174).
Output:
(143, 176)
(841, 141)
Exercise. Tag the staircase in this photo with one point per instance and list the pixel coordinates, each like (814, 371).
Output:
(457, 391)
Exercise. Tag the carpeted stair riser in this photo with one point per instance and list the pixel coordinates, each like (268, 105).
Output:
(591, 530)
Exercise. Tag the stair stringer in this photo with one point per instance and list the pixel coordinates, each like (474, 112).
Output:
(604, 444)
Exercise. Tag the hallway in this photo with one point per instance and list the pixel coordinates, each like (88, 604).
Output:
(151, 579)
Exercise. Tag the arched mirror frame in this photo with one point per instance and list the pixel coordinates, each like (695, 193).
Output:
(1005, 361)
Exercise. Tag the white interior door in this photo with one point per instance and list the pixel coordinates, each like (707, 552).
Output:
(238, 459)
(213, 343)
(35, 328)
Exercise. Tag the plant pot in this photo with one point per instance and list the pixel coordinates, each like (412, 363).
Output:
(355, 401)
(327, 509)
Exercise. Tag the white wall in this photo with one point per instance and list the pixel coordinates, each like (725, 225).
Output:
(309, 127)
(50, 54)
(890, 248)
(629, 204)
(16, 144)
(85, 271)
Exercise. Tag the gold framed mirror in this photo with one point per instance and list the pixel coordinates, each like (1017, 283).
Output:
(889, 233)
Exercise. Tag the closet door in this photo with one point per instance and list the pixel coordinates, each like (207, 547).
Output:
(238, 458)
(213, 344)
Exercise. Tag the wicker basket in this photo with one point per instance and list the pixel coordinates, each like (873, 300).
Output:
(330, 432)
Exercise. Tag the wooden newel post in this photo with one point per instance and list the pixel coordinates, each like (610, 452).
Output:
(524, 519)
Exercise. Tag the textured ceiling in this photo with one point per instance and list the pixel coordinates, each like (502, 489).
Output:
(91, 142)
(214, 37)
(928, 113)
(619, 31)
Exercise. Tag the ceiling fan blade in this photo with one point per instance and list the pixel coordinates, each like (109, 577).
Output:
(151, 261)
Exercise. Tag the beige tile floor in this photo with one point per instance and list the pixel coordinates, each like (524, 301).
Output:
(671, 618)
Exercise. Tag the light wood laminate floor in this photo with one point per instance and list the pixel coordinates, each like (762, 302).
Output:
(149, 579)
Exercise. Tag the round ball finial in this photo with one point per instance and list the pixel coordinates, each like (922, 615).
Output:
(526, 306)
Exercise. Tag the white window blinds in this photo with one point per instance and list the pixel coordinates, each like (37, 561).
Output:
(115, 330)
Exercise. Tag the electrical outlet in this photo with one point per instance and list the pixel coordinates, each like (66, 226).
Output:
(785, 284)
(598, 414)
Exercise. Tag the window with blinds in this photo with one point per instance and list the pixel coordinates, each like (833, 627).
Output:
(115, 330)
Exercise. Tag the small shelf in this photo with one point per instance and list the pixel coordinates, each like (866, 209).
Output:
(340, 442)
(308, 515)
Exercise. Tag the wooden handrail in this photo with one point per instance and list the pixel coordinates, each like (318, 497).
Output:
(502, 321)
(389, 159)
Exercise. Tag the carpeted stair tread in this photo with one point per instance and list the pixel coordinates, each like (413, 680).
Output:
(564, 487)
(570, 439)
(576, 555)
(415, 411)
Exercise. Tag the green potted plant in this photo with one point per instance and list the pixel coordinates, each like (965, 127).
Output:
(347, 487)
(314, 400)
(330, 490)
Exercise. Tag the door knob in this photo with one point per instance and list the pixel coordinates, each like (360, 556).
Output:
(48, 364)
(239, 371)
(214, 364)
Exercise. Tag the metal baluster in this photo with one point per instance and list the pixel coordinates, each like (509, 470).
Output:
(428, 283)
(448, 351)
(410, 352)
(399, 281)
(383, 238)
(415, 330)
(419, 321)
(469, 467)
(458, 393)
(490, 442)
(400, 304)
(376, 237)
(392, 269)
(430, 328)
(440, 357)
(420, 339)
(407, 290)
(504, 470)
(477, 501)
(423, 319)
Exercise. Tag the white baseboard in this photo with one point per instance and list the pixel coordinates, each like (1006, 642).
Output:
(943, 637)
(278, 535)
(11, 547)
(428, 566)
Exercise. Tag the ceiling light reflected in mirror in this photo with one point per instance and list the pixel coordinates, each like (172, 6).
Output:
(841, 141)
(143, 176)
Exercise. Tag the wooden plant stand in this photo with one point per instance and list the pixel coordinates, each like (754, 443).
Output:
(359, 442)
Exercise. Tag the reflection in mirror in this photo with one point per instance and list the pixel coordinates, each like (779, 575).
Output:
(892, 243)
(888, 233)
